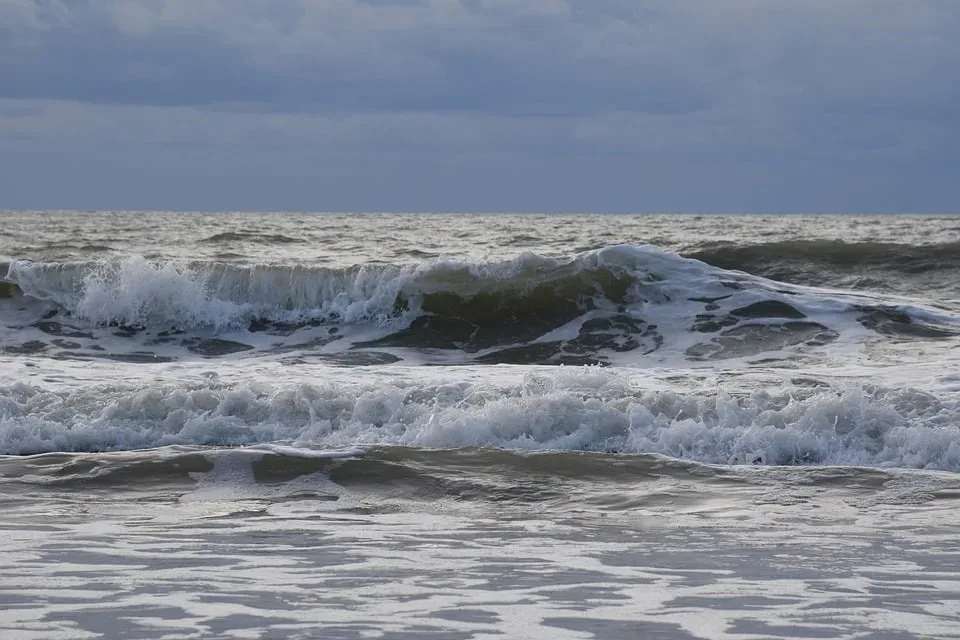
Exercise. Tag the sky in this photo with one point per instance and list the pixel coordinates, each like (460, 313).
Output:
(481, 105)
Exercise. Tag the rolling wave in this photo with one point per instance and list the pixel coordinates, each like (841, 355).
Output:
(909, 258)
(137, 291)
(881, 266)
(532, 309)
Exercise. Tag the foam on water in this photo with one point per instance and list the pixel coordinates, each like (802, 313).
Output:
(590, 410)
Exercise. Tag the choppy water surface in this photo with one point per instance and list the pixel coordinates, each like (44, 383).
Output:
(279, 425)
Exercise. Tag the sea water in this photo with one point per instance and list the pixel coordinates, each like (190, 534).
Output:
(458, 426)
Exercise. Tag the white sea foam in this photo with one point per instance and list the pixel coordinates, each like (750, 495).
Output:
(569, 410)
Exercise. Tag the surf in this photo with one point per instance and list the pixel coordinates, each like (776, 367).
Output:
(594, 307)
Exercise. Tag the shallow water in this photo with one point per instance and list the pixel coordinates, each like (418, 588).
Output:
(409, 543)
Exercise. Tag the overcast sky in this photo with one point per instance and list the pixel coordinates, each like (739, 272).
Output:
(481, 105)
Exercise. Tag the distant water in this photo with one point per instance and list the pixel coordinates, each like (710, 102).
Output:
(471, 391)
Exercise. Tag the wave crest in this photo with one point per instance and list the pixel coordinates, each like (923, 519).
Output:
(137, 291)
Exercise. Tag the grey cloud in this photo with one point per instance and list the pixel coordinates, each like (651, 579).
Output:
(100, 66)
(545, 57)
(416, 58)
(626, 104)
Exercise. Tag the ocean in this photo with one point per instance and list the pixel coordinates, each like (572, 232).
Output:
(283, 425)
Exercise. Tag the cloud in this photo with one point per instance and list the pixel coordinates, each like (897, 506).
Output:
(742, 84)
(489, 56)
(486, 55)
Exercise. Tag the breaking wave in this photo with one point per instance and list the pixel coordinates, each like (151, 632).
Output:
(531, 309)
(137, 291)
(575, 410)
